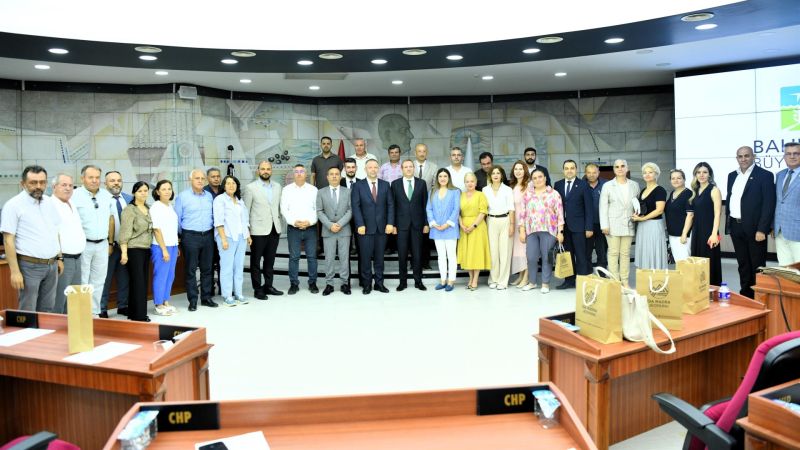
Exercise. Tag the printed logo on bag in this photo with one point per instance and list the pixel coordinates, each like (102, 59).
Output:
(659, 295)
(703, 281)
(589, 297)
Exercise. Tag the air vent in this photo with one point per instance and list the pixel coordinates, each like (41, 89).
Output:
(187, 92)
(315, 76)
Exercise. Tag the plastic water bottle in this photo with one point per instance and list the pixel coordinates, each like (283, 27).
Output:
(724, 294)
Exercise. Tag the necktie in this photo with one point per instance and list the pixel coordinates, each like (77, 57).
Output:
(374, 192)
(420, 170)
(569, 186)
(410, 189)
(788, 181)
(335, 197)
(119, 206)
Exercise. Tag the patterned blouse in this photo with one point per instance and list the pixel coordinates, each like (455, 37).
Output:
(542, 212)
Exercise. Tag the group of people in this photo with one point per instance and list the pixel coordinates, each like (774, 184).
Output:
(481, 220)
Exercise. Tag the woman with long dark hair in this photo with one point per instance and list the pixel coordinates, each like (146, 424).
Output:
(518, 183)
(164, 249)
(707, 205)
(135, 237)
(442, 213)
(231, 230)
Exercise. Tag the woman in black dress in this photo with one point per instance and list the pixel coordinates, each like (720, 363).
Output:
(679, 215)
(707, 205)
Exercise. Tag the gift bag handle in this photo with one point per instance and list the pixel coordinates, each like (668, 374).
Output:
(85, 289)
(666, 282)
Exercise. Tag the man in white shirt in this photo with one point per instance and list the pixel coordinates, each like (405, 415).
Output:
(361, 156)
(119, 200)
(457, 169)
(71, 236)
(29, 225)
(299, 208)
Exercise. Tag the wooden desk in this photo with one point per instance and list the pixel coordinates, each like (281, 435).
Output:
(610, 385)
(440, 420)
(83, 403)
(768, 292)
(769, 426)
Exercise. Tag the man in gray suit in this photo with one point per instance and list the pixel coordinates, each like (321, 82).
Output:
(262, 198)
(333, 212)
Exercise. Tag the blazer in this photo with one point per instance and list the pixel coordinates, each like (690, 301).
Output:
(409, 213)
(370, 213)
(578, 205)
(263, 214)
(429, 169)
(616, 207)
(330, 213)
(343, 183)
(758, 200)
(787, 207)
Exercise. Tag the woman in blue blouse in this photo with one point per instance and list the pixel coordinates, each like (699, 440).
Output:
(231, 230)
(443, 209)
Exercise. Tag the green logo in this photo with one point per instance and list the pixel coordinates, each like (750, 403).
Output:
(790, 108)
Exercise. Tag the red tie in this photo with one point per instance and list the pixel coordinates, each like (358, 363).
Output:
(374, 192)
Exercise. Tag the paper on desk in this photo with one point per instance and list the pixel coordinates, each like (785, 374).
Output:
(18, 337)
(247, 441)
(102, 353)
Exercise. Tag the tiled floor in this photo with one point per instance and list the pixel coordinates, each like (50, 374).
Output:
(309, 345)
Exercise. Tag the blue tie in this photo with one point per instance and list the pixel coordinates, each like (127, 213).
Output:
(119, 207)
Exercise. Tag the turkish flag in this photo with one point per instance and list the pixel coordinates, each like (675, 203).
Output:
(341, 150)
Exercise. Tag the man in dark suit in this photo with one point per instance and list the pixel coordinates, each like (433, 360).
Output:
(372, 207)
(410, 225)
(578, 219)
(748, 216)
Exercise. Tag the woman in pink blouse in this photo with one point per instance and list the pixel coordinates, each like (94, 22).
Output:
(541, 225)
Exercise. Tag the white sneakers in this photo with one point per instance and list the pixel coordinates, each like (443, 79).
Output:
(545, 290)
(163, 310)
(529, 286)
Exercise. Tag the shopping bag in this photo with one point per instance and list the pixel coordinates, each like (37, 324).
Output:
(637, 321)
(563, 267)
(664, 292)
(696, 274)
(80, 328)
(597, 308)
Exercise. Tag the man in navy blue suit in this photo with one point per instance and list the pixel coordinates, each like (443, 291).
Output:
(748, 216)
(578, 218)
(410, 223)
(372, 207)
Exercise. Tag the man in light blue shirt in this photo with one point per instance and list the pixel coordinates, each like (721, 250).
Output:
(194, 208)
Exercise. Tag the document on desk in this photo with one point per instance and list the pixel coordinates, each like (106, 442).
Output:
(18, 337)
(247, 441)
(102, 353)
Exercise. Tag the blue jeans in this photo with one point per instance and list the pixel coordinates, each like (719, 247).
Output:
(308, 237)
(231, 266)
(163, 272)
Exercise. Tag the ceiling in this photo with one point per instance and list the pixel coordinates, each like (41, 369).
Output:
(655, 47)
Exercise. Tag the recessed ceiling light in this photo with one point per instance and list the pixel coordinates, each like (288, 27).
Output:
(229, 61)
(305, 62)
(379, 61)
(147, 49)
(41, 66)
(664, 64)
(560, 74)
(772, 50)
(148, 58)
(243, 54)
(314, 88)
(245, 81)
(644, 51)
(487, 77)
(615, 40)
(330, 55)
(697, 17)
(162, 73)
(530, 51)
(455, 57)
(58, 51)
(397, 82)
(706, 26)
(414, 52)
(549, 39)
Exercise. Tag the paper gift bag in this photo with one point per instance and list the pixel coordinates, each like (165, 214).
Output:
(664, 292)
(80, 327)
(696, 272)
(598, 309)
(563, 267)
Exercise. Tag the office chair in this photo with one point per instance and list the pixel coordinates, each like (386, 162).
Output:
(775, 361)
(43, 440)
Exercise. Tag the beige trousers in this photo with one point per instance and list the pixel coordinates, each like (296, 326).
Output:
(619, 256)
(500, 247)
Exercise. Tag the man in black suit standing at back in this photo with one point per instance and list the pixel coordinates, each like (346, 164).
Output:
(410, 224)
(748, 216)
(578, 218)
(372, 207)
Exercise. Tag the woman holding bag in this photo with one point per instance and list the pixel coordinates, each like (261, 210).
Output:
(616, 211)
(541, 225)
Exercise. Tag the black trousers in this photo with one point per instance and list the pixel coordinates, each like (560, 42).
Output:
(410, 239)
(749, 254)
(599, 244)
(138, 268)
(575, 243)
(371, 253)
(198, 249)
(262, 259)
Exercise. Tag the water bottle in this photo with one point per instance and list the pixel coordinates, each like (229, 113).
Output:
(724, 294)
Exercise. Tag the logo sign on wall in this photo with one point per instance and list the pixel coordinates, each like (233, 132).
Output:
(790, 108)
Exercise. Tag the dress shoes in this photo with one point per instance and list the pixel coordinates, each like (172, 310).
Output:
(420, 286)
(565, 285)
(210, 303)
(122, 311)
(193, 307)
(366, 290)
(426, 267)
(293, 289)
(104, 314)
(328, 290)
(272, 291)
(312, 287)
(260, 295)
(381, 288)
(345, 289)
(401, 287)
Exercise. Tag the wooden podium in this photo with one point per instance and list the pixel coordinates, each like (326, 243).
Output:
(610, 385)
(769, 426)
(782, 297)
(82, 403)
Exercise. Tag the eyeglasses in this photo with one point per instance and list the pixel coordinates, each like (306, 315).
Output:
(94, 200)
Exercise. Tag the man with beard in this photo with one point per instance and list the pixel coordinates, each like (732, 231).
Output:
(348, 180)
(116, 270)
(529, 155)
(322, 162)
(29, 225)
(262, 198)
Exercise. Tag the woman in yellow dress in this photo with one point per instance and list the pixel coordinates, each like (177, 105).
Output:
(473, 245)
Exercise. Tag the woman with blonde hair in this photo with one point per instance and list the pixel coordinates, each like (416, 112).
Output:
(473, 244)
(518, 183)
(651, 239)
(616, 212)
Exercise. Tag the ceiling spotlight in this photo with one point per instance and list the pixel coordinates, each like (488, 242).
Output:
(560, 74)
(243, 54)
(414, 52)
(487, 77)
(397, 82)
(314, 88)
(706, 26)
(229, 61)
(549, 39)
(58, 51)
(147, 49)
(530, 51)
(644, 51)
(41, 66)
(455, 57)
(148, 58)
(697, 17)
(305, 62)
(162, 73)
(330, 55)
(615, 40)
(245, 81)
(379, 61)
